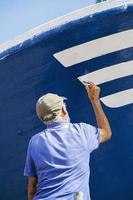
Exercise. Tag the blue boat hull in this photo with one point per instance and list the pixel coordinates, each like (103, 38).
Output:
(29, 69)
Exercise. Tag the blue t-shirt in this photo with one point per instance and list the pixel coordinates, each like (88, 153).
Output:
(59, 158)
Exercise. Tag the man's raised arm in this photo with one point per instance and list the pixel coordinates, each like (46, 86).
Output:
(102, 121)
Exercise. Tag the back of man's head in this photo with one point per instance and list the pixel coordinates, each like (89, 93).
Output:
(49, 106)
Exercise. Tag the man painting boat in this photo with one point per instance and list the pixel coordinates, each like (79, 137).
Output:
(57, 163)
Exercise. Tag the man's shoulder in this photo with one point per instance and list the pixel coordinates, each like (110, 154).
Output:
(79, 124)
(83, 127)
(37, 135)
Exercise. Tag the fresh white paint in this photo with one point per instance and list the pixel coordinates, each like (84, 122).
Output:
(65, 19)
(109, 73)
(95, 48)
(118, 99)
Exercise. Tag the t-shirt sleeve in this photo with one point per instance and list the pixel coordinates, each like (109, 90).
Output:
(92, 136)
(29, 169)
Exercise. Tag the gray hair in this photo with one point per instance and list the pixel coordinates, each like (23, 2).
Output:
(50, 118)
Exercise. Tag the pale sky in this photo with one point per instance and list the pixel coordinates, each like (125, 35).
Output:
(19, 16)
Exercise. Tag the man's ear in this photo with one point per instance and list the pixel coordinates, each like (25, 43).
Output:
(64, 111)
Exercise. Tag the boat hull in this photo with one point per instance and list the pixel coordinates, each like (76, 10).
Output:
(48, 62)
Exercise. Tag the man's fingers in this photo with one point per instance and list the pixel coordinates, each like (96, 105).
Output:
(88, 83)
(89, 86)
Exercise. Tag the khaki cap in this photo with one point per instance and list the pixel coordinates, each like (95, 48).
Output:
(48, 106)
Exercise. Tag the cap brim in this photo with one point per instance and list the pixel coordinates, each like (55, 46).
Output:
(64, 98)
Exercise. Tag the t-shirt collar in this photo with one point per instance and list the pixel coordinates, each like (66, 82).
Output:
(57, 123)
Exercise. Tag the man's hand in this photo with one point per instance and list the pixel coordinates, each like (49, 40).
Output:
(102, 121)
(92, 90)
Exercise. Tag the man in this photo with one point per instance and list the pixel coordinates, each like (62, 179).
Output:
(57, 163)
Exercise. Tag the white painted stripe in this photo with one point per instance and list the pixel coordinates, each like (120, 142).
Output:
(109, 73)
(65, 19)
(118, 99)
(95, 48)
